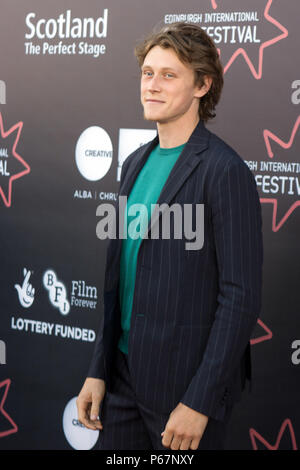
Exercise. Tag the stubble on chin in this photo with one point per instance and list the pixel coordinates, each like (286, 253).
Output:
(147, 118)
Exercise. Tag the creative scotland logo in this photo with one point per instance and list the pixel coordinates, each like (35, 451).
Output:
(93, 153)
(78, 436)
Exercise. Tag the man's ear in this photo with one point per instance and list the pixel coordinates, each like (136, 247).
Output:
(202, 90)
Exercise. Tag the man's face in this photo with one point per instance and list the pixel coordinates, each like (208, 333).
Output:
(167, 87)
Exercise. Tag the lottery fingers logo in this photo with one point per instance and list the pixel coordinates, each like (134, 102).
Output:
(25, 291)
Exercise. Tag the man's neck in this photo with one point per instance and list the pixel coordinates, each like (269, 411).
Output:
(175, 133)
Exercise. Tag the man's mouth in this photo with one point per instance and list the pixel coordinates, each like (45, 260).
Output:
(153, 101)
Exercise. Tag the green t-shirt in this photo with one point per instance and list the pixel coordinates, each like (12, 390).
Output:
(146, 191)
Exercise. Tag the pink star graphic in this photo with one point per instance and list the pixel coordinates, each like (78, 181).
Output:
(6, 383)
(285, 145)
(3, 135)
(241, 51)
(265, 337)
(285, 425)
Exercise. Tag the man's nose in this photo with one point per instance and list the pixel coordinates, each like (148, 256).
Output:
(154, 83)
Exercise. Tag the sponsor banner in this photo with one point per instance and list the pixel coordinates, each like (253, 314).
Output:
(52, 329)
(80, 295)
(70, 115)
(239, 29)
(65, 35)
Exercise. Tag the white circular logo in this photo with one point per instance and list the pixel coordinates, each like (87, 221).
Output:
(78, 436)
(57, 292)
(93, 153)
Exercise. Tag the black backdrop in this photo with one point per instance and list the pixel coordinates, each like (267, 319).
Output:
(70, 114)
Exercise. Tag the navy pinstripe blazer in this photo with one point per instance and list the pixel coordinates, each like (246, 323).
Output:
(193, 310)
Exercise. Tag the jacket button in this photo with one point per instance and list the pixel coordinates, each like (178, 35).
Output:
(225, 395)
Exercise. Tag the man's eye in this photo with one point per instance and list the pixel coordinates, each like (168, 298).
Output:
(147, 73)
(169, 75)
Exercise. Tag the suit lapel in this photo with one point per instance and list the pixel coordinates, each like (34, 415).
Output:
(190, 157)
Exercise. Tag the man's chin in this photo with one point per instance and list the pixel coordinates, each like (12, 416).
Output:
(149, 117)
(158, 119)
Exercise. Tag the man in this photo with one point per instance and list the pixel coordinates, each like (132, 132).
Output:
(174, 351)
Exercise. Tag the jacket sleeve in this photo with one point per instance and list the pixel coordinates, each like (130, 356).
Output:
(96, 367)
(237, 231)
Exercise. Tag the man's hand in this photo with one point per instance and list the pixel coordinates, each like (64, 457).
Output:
(88, 403)
(184, 428)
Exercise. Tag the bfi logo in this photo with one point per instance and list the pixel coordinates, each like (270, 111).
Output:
(2, 92)
(57, 292)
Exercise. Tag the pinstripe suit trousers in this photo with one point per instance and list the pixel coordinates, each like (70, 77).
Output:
(128, 425)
